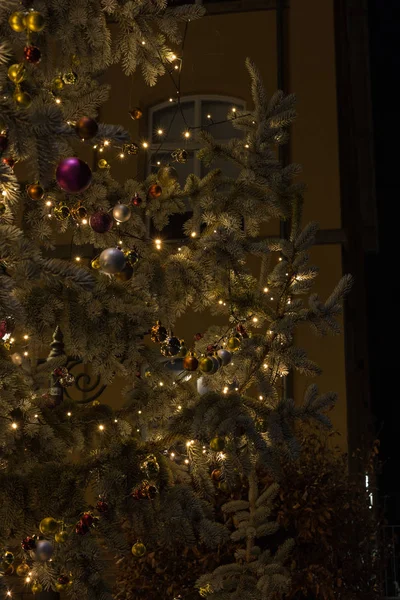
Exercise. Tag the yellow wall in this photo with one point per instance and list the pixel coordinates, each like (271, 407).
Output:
(215, 51)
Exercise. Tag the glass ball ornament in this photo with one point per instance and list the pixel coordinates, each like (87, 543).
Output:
(70, 77)
(61, 212)
(190, 362)
(48, 526)
(180, 155)
(216, 364)
(217, 444)
(131, 256)
(29, 543)
(8, 557)
(86, 128)
(103, 164)
(32, 54)
(121, 213)
(44, 550)
(136, 200)
(16, 73)
(61, 536)
(22, 99)
(154, 191)
(216, 475)
(16, 359)
(224, 356)
(22, 570)
(138, 550)
(17, 21)
(73, 175)
(36, 588)
(233, 344)
(57, 84)
(167, 176)
(182, 349)
(35, 191)
(62, 583)
(136, 113)
(67, 380)
(78, 211)
(171, 346)
(158, 333)
(112, 260)
(101, 222)
(150, 466)
(35, 21)
(125, 274)
(130, 148)
(206, 365)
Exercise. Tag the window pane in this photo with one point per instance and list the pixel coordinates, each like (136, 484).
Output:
(219, 111)
(163, 118)
(228, 168)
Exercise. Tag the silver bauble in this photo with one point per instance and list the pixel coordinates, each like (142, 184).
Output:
(112, 260)
(216, 364)
(44, 550)
(121, 213)
(224, 356)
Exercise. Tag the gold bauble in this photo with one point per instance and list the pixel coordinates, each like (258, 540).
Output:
(103, 164)
(36, 588)
(167, 176)
(35, 21)
(23, 99)
(138, 550)
(57, 84)
(233, 344)
(95, 263)
(17, 21)
(61, 212)
(16, 73)
(61, 536)
(48, 526)
(22, 570)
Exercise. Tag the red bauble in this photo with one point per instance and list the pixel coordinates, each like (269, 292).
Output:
(136, 200)
(86, 128)
(154, 191)
(198, 336)
(102, 506)
(9, 161)
(3, 142)
(29, 543)
(81, 528)
(32, 54)
(87, 519)
(73, 175)
(101, 222)
(63, 580)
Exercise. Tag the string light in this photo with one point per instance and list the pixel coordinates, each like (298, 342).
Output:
(171, 99)
(101, 427)
(14, 425)
(280, 258)
(179, 407)
(122, 155)
(25, 353)
(186, 461)
(208, 116)
(84, 221)
(160, 131)
(193, 234)
(27, 579)
(225, 390)
(143, 43)
(78, 258)
(48, 203)
(106, 142)
(36, 416)
(187, 134)
(233, 109)
(172, 455)
(158, 243)
(272, 298)
(265, 366)
(255, 320)
(220, 301)
(261, 397)
(145, 145)
(69, 414)
(189, 443)
(9, 594)
(161, 383)
(139, 412)
(266, 290)
(58, 100)
(247, 146)
(26, 337)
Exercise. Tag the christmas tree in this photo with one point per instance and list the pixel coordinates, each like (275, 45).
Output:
(183, 463)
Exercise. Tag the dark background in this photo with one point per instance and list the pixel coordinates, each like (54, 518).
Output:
(382, 268)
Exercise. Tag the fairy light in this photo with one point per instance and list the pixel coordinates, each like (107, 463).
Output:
(49, 203)
(84, 221)
(9, 594)
(69, 414)
(160, 131)
(265, 365)
(247, 146)
(58, 100)
(119, 241)
(176, 67)
(272, 298)
(78, 258)
(171, 99)
(186, 461)
(220, 301)
(106, 142)
(94, 147)
(122, 155)
(222, 456)
(158, 163)
(255, 320)
(101, 427)
(101, 150)
(189, 443)
(280, 258)
(265, 290)
(158, 243)
(145, 145)
(208, 116)
(225, 390)
(172, 455)
(161, 383)
(233, 109)
(193, 234)
(186, 134)
(25, 353)
(261, 397)
(143, 43)
(179, 249)
(139, 412)
(4, 193)
(26, 337)
(36, 416)
(27, 579)
(179, 407)
(14, 425)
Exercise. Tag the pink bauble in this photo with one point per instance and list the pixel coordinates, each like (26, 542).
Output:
(101, 222)
(73, 175)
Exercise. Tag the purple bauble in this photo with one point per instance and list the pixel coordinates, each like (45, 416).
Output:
(73, 175)
(101, 222)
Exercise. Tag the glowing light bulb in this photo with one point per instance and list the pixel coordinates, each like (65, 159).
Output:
(261, 397)
(101, 427)
(186, 461)
(266, 290)
(186, 134)
(139, 412)
(25, 353)
(193, 234)
(255, 320)
(36, 416)
(58, 100)
(84, 221)
(265, 365)
(143, 43)
(272, 298)
(26, 337)
(161, 383)
(78, 258)
(172, 455)
(247, 146)
(208, 116)
(233, 109)
(145, 145)
(106, 142)
(69, 414)
(14, 425)
(160, 131)
(122, 155)
(171, 99)
(225, 390)
(179, 407)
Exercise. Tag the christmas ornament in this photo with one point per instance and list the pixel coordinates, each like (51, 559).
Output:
(167, 176)
(61, 212)
(121, 213)
(241, 331)
(3, 142)
(21, 98)
(9, 161)
(101, 222)
(138, 550)
(17, 21)
(182, 350)
(224, 356)
(102, 506)
(61, 536)
(48, 526)
(206, 364)
(145, 491)
(150, 466)
(88, 519)
(216, 364)
(132, 149)
(57, 84)
(217, 444)
(216, 475)
(154, 191)
(78, 212)
(190, 362)
(73, 175)
(70, 78)
(67, 381)
(44, 550)
(8, 570)
(16, 359)
(158, 333)
(112, 260)
(171, 346)
(32, 54)
(8, 557)
(62, 583)
(198, 336)
(206, 590)
(125, 274)
(86, 128)
(136, 200)
(16, 73)
(233, 344)
(34, 21)
(103, 164)
(22, 570)
(136, 113)
(95, 263)
(3, 208)
(7, 326)
(131, 256)
(81, 528)
(36, 588)
(35, 191)
(29, 543)
(180, 155)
